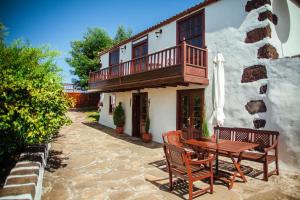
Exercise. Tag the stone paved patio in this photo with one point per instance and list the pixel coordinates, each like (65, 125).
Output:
(88, 161)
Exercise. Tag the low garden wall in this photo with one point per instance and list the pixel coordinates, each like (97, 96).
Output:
(26, 178)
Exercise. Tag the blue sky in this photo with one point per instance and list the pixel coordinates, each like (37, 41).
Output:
(58, 22)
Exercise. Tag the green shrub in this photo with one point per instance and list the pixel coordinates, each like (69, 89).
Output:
(205, 129)
(119, 116)
(32, 102)
(147, 125)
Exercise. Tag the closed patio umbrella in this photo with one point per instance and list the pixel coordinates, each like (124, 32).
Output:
(218, 96)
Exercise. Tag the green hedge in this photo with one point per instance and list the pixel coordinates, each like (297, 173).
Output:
(32, 103)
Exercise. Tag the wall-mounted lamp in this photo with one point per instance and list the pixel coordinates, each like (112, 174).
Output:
(158, 33)
(123, 48)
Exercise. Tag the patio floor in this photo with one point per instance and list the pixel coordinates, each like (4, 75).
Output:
(89, 161)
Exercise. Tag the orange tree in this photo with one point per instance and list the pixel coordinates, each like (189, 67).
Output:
(32, 103)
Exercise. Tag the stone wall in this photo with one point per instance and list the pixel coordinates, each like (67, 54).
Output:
(25, 179)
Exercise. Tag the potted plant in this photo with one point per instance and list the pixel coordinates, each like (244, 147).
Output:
(119, 118)
(147, 137)
(205, 130)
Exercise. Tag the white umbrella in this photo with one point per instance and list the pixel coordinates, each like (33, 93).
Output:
(218, 97)
(218, 91)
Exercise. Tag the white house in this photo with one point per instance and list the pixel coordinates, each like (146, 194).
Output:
(167, 70)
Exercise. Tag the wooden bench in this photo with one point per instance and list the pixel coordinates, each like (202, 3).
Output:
(265, 153)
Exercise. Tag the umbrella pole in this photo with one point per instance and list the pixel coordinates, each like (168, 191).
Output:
(217, 153)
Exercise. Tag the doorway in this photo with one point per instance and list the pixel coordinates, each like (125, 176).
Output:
(139, 113)
(190, 105)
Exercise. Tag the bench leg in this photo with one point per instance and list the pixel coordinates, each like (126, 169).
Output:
(277, 166)
(265, 171)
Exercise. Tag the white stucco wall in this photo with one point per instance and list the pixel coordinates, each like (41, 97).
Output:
(285, 35)
(165, 40)
(283, 103)
(125, 54)
(106, 118)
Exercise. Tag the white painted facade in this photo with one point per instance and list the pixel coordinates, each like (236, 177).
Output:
(227, 37)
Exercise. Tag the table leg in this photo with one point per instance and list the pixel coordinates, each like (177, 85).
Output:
(237, 165)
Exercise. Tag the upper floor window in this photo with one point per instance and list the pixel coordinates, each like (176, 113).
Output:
(114, 57)
(140, 49)
(192, 29)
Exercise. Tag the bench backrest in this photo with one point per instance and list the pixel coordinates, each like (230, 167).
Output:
(264, 138)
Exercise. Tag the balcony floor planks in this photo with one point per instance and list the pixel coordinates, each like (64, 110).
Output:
(162, 77)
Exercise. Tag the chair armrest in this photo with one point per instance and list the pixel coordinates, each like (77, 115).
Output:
(271, 147)
(199, 162)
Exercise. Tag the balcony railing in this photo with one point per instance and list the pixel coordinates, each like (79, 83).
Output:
(174, 56)
(190, 59)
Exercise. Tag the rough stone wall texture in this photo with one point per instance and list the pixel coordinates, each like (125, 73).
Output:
(258, 34)
(268, 15)
(254, 73)
(254, 4)
(267, 51)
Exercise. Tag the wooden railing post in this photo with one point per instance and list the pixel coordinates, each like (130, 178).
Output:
(205, 62)
(183, 56)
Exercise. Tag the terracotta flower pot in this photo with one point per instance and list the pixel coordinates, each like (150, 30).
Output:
(147, 137)
(120, 130)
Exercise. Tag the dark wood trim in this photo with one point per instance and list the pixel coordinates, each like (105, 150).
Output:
(202, 14)
(109, 57)
(146, 41)
(142, 41)
(167, 21)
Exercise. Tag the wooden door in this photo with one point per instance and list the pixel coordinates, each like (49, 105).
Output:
(139, 113)
(189, 112)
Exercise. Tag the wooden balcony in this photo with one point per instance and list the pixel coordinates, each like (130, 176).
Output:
(178, 65)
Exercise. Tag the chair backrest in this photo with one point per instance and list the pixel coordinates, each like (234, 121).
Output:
(173, 137)
(264, 138)
(176, 156)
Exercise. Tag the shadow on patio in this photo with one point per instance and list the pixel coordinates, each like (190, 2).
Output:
(124, 137)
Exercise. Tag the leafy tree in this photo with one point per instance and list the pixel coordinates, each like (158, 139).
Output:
(2, 32)
(122, 34)
(32, 102)
(84, 54)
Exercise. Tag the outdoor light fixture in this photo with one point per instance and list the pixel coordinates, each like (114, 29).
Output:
(157, 33)
(123, 48)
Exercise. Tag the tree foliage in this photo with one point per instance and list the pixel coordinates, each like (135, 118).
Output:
(2, 33)
(84, 53)
(32, 102)
(122, 34)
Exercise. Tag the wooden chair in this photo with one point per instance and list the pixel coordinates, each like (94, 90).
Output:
(181, 165)
(173, 137)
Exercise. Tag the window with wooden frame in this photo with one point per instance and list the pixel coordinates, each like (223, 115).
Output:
(114, 57)
(112, 104)
(191, 29)
(138, 50)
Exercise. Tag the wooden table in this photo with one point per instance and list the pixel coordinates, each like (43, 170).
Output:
(230, 148)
